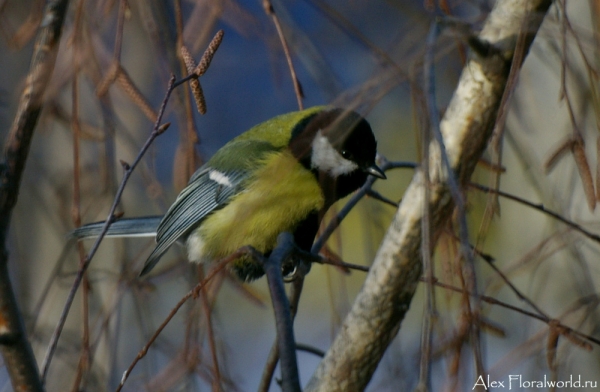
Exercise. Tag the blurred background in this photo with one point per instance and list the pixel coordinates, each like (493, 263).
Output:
(365, 55)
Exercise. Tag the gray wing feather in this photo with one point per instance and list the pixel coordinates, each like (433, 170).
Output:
(201, 197)
(127, 227)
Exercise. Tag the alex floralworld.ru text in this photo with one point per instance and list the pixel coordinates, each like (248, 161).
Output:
(517, 381)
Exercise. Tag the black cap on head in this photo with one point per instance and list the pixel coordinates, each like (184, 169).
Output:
(338, 144)
(347, 132)
(352, 136)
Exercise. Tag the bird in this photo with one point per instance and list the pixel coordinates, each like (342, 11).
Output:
(281, 175)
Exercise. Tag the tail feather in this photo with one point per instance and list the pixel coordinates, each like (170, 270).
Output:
(130, 227)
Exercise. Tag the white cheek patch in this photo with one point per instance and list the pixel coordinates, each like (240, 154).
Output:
(219, 178)
(326, 158)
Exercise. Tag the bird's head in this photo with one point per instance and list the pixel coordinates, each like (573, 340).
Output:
(339, 145)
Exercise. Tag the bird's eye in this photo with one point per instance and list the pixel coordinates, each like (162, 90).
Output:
(346, 154)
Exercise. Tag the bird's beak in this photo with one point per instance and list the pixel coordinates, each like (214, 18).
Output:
(376, 171)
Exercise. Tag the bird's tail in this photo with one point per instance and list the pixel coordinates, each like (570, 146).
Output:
(130, 227)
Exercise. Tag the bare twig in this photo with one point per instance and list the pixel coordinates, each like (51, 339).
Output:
(468, 268)
(273, 358)
(119, 31)
(194, 292)
(27, 30)
(343, 264)
(85, 356)
(358, 195)
(356, 34)
(126, 83)
(76, 216)
(497, 141)
(310, 349)
(283, 317)
(269, 10)
(556, 155)
(541, 208)
(378, 196)
(426, 238)
(577, 147)
(564, 330)
(157, 130)
(116, 73)
(206, 307)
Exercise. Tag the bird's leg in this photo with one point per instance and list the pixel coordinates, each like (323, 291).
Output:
(297, 264)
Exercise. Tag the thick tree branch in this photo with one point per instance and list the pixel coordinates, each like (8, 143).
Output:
(14, 345)
(467, 126)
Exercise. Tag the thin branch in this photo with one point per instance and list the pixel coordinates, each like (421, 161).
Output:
(194, 292)
(157, 131)
(540, 207)
(273, 358)
(517, 292)
(84, 360)
(269, 10)
(310, 349)
(343, 264)
(468, 267)
(207, 309)
(356, 197)
(497, 141)
(493, 301)
(119, 31)
(85, 356)
(566, 330)
(358, 36)
(577, 148)
(283, 317)
(426, 238)
(378, 196)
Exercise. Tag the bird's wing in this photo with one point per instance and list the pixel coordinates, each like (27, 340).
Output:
(210, 188)
(127, 227)
(206, 193)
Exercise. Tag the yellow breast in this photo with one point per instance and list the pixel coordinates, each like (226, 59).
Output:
(281, 194)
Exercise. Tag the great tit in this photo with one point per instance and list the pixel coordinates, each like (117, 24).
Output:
(281, 175)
